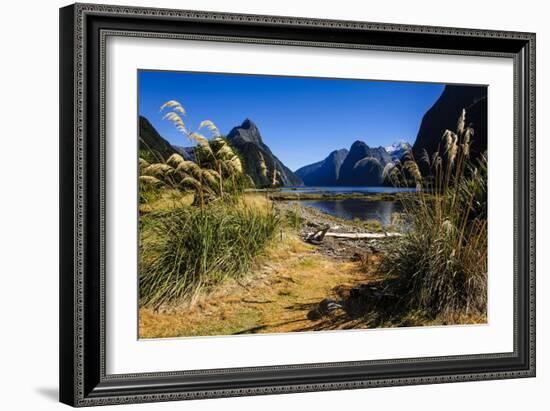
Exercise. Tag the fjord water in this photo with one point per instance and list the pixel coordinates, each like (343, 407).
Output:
(348, 189)
(354, 208)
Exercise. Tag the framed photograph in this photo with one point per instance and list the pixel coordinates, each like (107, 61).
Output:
(260, 204)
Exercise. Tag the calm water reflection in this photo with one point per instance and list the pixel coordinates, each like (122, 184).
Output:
(356, 208)
(345, 189)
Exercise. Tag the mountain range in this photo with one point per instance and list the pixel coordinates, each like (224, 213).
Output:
(323, 173)
(260, 163)
(361, 165)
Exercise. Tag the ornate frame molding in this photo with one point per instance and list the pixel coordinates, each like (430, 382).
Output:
(83, 41)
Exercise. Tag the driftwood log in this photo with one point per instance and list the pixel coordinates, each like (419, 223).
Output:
(318, 236)
(358, 236)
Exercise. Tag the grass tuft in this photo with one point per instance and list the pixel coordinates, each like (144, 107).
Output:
(185, 250)
(440, 265)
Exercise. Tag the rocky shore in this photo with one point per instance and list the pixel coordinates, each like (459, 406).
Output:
(315, 194)
(312, 220)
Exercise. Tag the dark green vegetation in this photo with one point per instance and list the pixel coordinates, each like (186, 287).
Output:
(189, 249)
(185, 248)
(439, 267)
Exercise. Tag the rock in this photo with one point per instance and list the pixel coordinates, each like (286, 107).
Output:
(323, 173)
(360, 166)
(364, 165)
(259, 161)
(151, 142)
(325, 307)
(314, 315)
(444, 114)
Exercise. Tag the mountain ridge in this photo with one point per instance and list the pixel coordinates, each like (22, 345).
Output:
(444, 115)
(245, 139)
(259, 161)
(152, 143)
(325, 172)
(360, 165)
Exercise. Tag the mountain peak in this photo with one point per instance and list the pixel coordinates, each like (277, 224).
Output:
(398, 145)
(248, 124)
(358, 150)
(358, 144)
(247, 132)
(247, 140)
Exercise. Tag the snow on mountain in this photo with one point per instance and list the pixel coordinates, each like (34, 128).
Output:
(400, 145)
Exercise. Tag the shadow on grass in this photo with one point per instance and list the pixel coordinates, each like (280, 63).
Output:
(373, 305)
(260, 328)
(302, 306)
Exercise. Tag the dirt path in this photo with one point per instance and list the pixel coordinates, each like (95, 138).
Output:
(278, 295)
(282, 293)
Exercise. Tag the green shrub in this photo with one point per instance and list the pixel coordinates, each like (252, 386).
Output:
(440, 264)
(294, 217)
(185, 250)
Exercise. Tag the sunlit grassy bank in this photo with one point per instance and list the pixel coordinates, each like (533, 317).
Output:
(188, 249)
(275, 296)
(196, 227)
(219, 256)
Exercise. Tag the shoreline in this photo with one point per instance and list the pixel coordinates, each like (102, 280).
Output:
(289, 284)
(311, 219)
(278, 195)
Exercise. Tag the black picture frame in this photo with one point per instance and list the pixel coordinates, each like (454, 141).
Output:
(83, 30)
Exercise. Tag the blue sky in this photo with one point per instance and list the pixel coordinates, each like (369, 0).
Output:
(301, 119)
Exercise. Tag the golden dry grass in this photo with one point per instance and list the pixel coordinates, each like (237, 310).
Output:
(255, 200)
(168, 199)
(276, 297)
